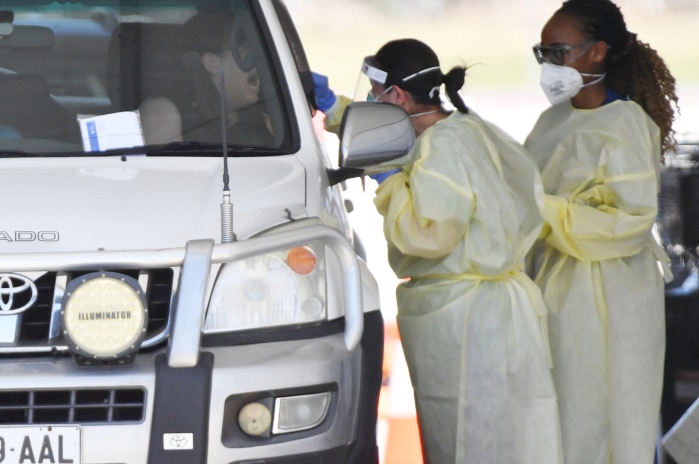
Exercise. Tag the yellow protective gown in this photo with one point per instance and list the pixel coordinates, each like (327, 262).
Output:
(459, 219)
(333, 116)
(597, 266)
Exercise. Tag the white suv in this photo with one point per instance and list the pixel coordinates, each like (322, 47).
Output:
(196, 298)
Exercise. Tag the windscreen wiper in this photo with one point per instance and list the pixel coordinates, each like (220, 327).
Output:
(207, 149)
(15, 154)
(170, 149)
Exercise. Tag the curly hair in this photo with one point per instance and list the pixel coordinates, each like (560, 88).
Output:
(633, 68)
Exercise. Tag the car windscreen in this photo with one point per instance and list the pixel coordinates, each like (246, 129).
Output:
(87, 78)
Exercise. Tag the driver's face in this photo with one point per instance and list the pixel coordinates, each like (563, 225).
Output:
(241, 87)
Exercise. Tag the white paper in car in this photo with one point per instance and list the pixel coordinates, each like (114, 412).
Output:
(115, 130)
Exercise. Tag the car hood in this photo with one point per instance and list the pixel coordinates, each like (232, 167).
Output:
(113, 203)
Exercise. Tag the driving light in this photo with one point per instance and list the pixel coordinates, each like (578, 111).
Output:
(104, 316)
(254, 419)
(296, 413)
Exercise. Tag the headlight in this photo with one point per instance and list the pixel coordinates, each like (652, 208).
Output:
(271, 290)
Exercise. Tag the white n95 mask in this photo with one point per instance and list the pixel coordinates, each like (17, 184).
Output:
(561, 83)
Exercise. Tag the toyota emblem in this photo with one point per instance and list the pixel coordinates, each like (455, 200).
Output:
(17, 294)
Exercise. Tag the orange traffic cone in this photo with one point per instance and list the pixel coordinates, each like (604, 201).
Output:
(398, 428)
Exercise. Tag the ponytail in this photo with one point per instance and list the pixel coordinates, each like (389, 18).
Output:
(453, 81)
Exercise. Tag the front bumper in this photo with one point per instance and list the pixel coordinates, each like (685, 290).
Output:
(193, 400)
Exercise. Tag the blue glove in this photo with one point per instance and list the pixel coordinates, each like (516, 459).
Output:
(325, 98)
(382, 176)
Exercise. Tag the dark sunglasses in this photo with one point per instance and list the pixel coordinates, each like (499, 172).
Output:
(240, 47)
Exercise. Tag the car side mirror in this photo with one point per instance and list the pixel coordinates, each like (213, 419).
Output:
(374, 137)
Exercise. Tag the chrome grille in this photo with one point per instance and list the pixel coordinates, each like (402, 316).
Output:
(97, 406)
(38, 329)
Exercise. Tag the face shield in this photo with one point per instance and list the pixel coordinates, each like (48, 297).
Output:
(371, 82)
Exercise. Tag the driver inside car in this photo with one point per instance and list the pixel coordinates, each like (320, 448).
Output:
(218, 71)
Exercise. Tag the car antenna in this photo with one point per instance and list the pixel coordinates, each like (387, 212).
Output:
(227, 234)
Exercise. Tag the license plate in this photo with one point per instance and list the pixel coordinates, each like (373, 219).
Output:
(40, 444)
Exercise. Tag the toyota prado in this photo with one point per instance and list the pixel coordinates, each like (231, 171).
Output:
(179, 278)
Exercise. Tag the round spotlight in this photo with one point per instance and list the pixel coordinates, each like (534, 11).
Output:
(104, 316)
(255, 419)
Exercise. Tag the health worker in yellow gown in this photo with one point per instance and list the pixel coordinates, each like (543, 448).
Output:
(599, 149)
(459, 218)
